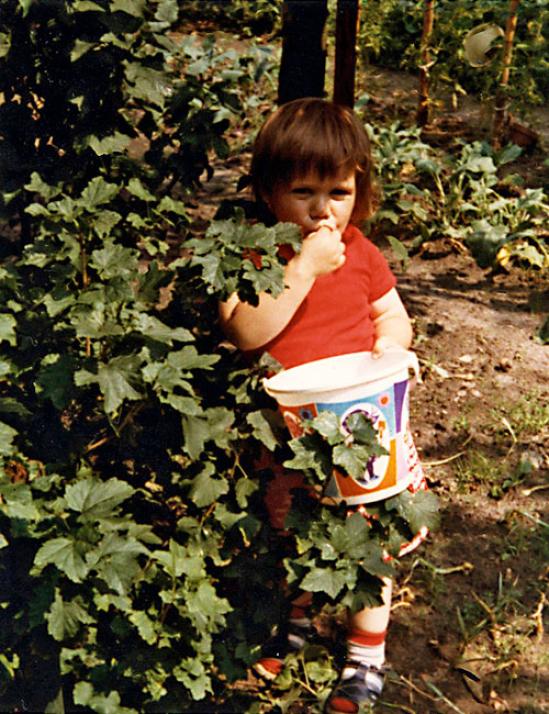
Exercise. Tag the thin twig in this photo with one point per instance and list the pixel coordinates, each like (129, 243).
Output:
(538, 617)
(450, 458)
(437, 691)
(463, 568)
(484, 605)
(415, 688)
(398, 706)
(530, 491)
(443, 461)
(537, 521)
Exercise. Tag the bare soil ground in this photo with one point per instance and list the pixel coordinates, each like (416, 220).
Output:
(468, 630)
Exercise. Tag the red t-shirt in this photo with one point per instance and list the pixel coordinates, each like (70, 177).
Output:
(335, 317)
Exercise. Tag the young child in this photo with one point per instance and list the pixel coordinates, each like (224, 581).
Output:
(311, 166)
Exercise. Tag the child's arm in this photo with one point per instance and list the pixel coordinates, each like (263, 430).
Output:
(249, 327)
(391, 322)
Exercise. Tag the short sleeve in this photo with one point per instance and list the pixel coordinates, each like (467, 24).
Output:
(381, 278)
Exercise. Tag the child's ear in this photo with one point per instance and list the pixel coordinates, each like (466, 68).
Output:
(266, 198)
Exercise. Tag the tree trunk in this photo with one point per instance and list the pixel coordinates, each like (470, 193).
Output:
(345, 57)
(423, 112)
(500, 111)
(303, 63)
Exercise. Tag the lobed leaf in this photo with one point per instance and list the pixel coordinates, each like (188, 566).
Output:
(94, 499)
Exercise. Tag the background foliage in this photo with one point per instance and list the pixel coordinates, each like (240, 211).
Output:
(389, 38)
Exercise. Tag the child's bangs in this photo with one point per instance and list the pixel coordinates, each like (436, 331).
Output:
(325, 164)
(325, 150)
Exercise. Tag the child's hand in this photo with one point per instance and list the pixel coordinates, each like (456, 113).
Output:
(322, 252)
(384, 343)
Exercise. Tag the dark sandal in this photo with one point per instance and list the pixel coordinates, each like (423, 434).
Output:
(363, 687)
(273, 653)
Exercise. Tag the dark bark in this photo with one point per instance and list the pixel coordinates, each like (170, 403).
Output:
(345, 58)
(303, 64)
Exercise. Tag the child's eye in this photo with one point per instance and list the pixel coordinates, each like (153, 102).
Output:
(301, 191)
(340, 192)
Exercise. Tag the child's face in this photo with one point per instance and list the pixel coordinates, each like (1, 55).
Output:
(312, 202)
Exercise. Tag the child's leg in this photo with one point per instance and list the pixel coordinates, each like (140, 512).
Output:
(367, 630)
(362, 676)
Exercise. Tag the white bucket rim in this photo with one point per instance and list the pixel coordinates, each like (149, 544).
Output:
(391, 363)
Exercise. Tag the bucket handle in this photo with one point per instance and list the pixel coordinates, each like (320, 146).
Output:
(412, 363)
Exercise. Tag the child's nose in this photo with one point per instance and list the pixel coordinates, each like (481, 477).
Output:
(319, 207)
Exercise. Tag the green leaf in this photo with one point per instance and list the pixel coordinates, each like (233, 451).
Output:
(145, 626)
(178, 561)
(65, 618)
(136, 188)
(95, 499)
(399, 249)
(189, 358)
(205, 489)
(65, 554)
(84, 695)
(485, 241)
(170, 205)
(7, 435)
(309, 455)
(25, 5)
(10, 405)
(372, 561)
(244, 489)
(80, 48)
(480, 164)
(43, 189)
(207, 608)
(194, 676)
(324, 580)
(262, 428)
(131, 7)
(184, 405)
(114, 259)
(146, 83)
(114, 382)
(17, 501)
(418, 509)
(5, 44)
(7, 329)
(351, 460)
(55, 379)
(196, 432)
(167, 11)
(103, 223)
(364, 433)
(116, 143)
(98, 192)
(58, 301)
(86, 6)
(155, 329)
(227, 518)
(328, 425)
(507, 154)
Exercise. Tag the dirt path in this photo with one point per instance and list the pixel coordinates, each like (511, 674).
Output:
(483, 372)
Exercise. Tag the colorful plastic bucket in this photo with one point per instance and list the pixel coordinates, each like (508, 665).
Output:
(350, 383)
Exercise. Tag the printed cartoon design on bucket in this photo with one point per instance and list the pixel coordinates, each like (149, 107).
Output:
(345, 385)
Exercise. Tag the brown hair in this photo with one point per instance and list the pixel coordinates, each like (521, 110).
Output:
(313, 134)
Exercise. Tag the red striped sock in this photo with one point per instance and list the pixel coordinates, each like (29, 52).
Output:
(366, 647)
